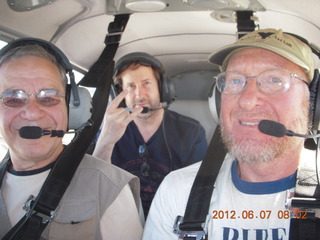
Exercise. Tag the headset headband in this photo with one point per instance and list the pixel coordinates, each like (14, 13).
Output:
(48, 46)
(141, 58)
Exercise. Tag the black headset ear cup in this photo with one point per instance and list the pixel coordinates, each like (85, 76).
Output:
(78, 115)
(215, 102)
(117, 88)
(167, 90)
(314, 101)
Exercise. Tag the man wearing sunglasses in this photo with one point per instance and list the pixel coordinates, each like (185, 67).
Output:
(32, 93)
(147, 144)
(266, 75)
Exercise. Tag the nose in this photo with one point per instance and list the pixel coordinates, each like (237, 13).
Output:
(139, 92)
(32, 110)
(250, 96)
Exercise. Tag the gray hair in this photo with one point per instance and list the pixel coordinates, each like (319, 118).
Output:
(37, 51)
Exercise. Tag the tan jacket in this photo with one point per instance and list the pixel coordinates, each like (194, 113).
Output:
(82, 212)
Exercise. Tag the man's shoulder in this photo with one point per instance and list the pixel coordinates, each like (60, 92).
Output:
(175, 188)
(185, 174)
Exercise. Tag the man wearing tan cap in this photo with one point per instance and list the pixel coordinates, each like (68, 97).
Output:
(265, 76)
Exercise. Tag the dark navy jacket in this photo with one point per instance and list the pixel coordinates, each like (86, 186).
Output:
(179, 142)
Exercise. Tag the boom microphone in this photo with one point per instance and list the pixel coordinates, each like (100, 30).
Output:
(33, 132)
(146, 109)
(276, 129)
(272, 128)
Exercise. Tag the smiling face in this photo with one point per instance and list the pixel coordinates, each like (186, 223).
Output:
(31, 74)
(241, 113)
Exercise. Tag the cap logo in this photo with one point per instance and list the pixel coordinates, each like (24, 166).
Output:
(264, 35)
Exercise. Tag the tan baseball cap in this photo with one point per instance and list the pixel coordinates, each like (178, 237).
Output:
(277, 41)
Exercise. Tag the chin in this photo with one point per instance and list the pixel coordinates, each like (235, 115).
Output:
(253, 153)
(145, 115)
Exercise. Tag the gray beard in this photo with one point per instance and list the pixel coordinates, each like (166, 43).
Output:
(251, 152)
(248, 150)
(256, 151)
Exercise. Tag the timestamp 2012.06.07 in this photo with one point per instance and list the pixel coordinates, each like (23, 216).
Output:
(262, 214)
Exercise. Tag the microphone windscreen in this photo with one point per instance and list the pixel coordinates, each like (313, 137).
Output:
(30, 132)
(272, 128)
(145, 110)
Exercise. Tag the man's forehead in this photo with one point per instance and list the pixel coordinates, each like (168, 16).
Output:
(252, 55)
(138, 73)
(27, 69)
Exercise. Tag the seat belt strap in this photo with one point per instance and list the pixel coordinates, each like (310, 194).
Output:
(32, 229)
(245, 22)
(193, 225)
(4, 165)
(112, 40)
(42, 208)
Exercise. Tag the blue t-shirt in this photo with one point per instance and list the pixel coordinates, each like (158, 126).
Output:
(178, 142)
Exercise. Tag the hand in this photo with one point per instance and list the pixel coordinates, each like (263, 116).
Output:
(117, 119)
(115, 123)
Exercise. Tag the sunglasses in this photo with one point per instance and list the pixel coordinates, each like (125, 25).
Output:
(18, 98)
(143, 153)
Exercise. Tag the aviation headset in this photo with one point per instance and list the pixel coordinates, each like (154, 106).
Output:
(314, 89)
(78, 99)
(166, 87)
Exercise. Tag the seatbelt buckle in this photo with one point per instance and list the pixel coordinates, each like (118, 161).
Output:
(188, 235)
(28, 206)
(196, 235)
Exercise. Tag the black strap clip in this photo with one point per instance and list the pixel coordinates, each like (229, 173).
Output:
(116, 28)
(28, 206)
(246, 22)
(200, 234)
